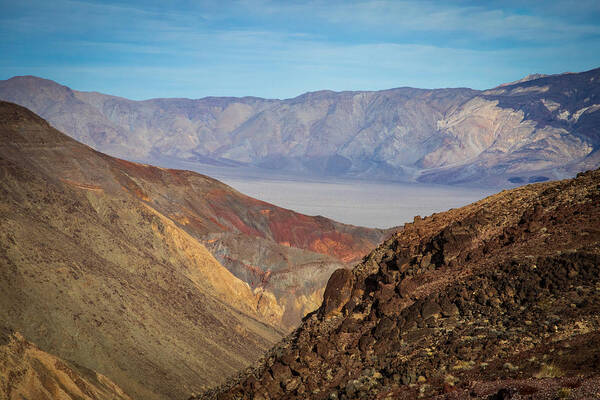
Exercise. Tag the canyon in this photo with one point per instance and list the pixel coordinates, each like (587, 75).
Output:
(113, 267)
(121, 279)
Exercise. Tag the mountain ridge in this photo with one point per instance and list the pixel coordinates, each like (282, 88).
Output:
(456, 136)
(105, 263)
(28, 372)
(495, 300)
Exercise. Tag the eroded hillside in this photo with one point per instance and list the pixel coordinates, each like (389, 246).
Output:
(286, 257)
(92, 275)
(496, 300)
(103, 263)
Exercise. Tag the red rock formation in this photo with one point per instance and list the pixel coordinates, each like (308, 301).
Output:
(252, 238)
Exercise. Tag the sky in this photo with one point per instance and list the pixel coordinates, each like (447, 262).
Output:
(281, 49)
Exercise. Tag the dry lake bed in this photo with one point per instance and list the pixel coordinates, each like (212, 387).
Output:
(380, 205)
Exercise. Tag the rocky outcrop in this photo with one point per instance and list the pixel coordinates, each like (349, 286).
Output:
(538, 128)
(338, 292)
(499, 299)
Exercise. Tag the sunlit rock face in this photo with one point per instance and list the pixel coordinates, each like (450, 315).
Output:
(30, 373)
(541, 127)
(165, 281)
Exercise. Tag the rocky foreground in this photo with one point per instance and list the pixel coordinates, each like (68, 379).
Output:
(496, 300)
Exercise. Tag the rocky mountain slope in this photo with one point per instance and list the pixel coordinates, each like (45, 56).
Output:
(103, 263)
(26, 372)
(496, 300)
(534, 129)
(93, 275)
(286, 257)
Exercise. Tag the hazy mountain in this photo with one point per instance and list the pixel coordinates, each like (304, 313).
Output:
(537, 128)
(496, 300)
(103, 263)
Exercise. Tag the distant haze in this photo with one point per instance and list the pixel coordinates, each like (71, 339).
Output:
(540, 128)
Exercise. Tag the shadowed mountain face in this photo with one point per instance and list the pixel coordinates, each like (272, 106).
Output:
(537, 128)
(103, 263)
(496, 300)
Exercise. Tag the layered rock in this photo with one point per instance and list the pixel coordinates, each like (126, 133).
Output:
(274, 250)
(103, 263)
(538, 128)
(499, 299)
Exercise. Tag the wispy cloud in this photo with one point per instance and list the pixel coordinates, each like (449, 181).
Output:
(280, 49)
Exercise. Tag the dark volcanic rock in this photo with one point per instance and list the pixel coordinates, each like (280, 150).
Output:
(337, 291)
(499, 299)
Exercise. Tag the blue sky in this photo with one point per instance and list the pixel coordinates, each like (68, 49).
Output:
(280, 49)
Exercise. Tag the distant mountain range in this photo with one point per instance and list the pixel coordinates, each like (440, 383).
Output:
(538, 128)
(104, 263)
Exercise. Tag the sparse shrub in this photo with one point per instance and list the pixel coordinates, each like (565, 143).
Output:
(549, 371)
(563, 393)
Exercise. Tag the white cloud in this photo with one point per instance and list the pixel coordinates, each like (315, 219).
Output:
(281, 49)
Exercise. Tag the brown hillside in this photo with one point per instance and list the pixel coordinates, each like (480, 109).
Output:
(93, 275)
(103, 263)
(27, 372)
(496, 300)
(283, 254)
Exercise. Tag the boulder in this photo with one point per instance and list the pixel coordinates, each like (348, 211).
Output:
(337, 292)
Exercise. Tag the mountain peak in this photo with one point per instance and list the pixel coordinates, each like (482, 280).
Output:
(31, 80)
(527, 78)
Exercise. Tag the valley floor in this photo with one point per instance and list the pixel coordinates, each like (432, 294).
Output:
(370, 204)
(361, 202)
